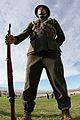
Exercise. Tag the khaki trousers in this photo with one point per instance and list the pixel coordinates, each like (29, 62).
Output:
(54, 69)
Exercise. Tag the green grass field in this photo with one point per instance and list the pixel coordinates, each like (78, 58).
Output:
(44, 110)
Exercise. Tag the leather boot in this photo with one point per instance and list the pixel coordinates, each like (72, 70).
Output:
(66, 115)
(26, 116)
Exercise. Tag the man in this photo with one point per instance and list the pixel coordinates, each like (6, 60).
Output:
(46, 37)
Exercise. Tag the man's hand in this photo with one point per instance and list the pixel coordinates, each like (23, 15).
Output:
(9, 39)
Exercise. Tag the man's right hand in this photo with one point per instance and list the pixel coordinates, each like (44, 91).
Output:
(9, 39)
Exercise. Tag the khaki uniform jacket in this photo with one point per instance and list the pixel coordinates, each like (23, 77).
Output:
(45, 43)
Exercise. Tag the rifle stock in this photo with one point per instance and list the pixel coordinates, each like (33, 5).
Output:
(10, 79)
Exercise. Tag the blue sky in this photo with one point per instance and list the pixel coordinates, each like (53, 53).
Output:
(19, 13)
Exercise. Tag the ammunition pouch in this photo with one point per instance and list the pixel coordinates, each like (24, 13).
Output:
(43, 30)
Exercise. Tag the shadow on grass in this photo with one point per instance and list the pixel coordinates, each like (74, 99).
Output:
(4, 113)
(58, 116)
(77, 118)
(45, 115)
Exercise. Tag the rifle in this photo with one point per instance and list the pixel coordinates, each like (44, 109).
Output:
(10, 79)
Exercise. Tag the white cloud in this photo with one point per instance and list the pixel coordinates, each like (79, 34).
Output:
(71, 71)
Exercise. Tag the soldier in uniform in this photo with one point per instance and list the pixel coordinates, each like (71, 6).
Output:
(46, 37)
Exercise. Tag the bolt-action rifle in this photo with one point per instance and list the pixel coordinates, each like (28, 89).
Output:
(10, 79)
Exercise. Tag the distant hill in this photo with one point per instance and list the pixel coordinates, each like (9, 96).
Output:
(19, 86)
(3, 89)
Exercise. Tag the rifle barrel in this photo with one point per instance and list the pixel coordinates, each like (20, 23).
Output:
(10, 79)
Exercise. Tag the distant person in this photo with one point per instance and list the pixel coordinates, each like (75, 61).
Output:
(0, 93)
(46, 37)
(47, 95)
(52, 95)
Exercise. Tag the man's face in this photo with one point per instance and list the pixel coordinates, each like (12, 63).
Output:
(41, 11)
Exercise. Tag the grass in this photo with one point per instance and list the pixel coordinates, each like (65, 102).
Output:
(44, 110)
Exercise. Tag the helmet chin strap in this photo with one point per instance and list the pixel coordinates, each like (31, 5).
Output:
(42, 16)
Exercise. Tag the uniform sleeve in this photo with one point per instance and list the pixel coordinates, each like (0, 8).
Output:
(22, 36)
(60, 35)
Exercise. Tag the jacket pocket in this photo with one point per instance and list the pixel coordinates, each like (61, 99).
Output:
(52, 45)
(32, 46)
